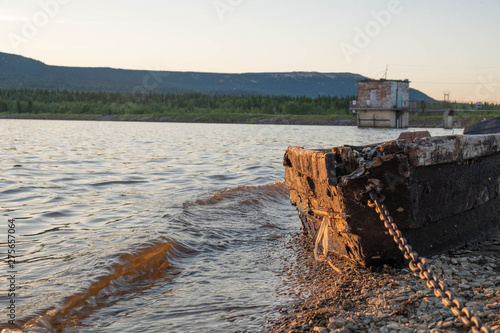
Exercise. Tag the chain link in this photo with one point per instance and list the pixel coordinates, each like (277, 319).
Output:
(421, 268)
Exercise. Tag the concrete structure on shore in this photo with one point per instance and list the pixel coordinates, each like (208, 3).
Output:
(382, 103)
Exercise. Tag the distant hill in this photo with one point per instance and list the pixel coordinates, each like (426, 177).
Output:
(25, 73)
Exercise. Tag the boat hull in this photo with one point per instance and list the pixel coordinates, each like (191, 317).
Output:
(484, 127)
(441, 191)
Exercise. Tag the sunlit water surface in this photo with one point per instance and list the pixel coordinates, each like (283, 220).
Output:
(154, 227)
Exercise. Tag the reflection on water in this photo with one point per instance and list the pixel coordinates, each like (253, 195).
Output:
(152, 226)
(135, 273)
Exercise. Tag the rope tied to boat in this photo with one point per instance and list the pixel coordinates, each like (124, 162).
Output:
(322, 237)
(420, 267)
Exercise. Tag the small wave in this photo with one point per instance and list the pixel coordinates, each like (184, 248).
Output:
(268, 192)
(134, 273)
(16, 190)
(119, 182)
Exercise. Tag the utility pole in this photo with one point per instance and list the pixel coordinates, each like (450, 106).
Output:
(446, 98)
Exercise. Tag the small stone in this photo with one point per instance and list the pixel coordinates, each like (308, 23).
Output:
(427, 317)
(393, 326)
(342, 330)
(465, 273)
(446, 324)
(478, 296)
(487, 284)
(384, 329)
(488, 312)
(350, 323)
(454, 261)
(471, 305)
(489, 291)
(320, 329)
(493, 305)
(337, 322)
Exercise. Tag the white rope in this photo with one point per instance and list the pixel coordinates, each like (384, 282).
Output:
(322, 237)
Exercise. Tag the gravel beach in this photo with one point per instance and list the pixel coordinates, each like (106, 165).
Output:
(341, 297)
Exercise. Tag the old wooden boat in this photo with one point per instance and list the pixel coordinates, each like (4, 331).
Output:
(441, 191)
(484, 127)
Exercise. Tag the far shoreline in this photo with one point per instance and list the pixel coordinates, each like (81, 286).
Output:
(314, 120)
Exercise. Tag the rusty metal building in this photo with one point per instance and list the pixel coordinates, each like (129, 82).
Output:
(382, 103)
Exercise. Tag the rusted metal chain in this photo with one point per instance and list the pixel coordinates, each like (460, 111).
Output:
(421, 267)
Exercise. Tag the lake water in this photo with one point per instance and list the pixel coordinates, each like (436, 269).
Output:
(151, 227)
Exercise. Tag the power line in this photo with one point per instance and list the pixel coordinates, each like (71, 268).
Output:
(446, 66)
(434, 82)
(455, 73)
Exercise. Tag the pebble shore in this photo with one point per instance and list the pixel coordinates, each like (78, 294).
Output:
(346, 298)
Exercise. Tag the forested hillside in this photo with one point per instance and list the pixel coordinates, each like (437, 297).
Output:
(17, 72)
(108, 103)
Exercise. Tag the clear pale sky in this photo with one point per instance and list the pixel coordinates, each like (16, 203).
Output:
(439, 45)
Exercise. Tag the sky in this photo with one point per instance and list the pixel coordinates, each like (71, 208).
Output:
(441, 46)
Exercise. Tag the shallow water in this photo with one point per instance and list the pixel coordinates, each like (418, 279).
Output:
(155, 227)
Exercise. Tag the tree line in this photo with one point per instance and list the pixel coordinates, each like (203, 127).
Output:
(59, 102)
